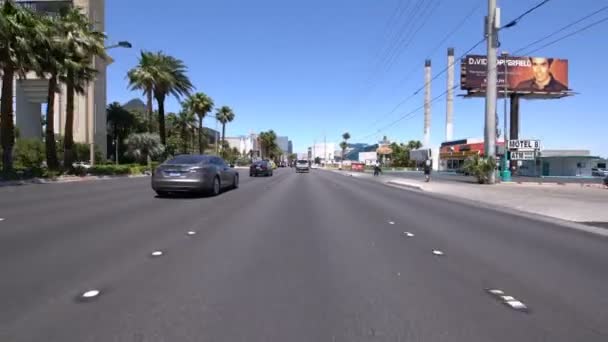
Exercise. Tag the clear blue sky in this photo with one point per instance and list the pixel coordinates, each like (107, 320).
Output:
(309, 68)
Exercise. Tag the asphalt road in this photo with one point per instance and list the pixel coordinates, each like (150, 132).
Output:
(294, 257)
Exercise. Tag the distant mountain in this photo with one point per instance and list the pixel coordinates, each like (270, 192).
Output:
(135, 105)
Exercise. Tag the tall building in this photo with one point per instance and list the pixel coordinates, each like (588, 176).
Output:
(290, 147)
(89, 108)
(324, 151)
(283, 143)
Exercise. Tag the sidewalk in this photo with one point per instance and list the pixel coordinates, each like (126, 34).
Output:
(574, 203)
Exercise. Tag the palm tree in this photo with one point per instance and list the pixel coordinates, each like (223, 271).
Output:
(141, 78)
(51, 65)
(184, 121)
(199, 104)
(414, 144)
(20, 32)
(82, 45)
(120, 123)
(268, 142)
(343, 146)
(224, 115)
(169, 79)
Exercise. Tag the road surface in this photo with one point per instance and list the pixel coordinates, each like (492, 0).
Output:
(294, 257)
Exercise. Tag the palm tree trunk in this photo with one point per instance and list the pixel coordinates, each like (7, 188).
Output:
(51, 148)
(200, 135)
(223, 137)
(7, 129)
(149, 110)
(161, 120)
(68, 141)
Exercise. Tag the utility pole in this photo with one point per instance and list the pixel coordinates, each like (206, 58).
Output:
(427, 103)
(506, 171)
(449, 110)
(491, 87)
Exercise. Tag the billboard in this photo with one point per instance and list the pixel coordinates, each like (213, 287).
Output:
(524, 74)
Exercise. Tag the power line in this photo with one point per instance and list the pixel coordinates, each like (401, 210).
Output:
(407, 40)
(448, 36)
(407, 114)
(456, 60)
(562, 29)
(521, 16)
(570, 34)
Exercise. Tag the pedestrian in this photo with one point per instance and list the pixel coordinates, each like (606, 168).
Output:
(427, 170)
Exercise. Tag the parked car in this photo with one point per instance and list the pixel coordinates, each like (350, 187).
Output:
(598, 172)
(302, 166)
(194, 173)
(262, 167)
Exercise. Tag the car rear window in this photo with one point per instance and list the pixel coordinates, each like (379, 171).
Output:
(188, 160)
(302, 162)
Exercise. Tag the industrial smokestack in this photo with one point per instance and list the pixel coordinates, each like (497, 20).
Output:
(449, 110)
(427, 102)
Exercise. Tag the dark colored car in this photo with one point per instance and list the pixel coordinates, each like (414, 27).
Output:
(262, 167)
(194, 173)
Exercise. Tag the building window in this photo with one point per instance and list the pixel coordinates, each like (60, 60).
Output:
(51, 8)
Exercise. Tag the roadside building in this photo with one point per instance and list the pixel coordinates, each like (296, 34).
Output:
(452, 154)
(559, 163)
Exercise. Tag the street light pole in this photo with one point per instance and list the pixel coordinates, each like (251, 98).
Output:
(93, 114)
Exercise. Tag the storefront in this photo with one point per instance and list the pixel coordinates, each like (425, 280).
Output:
(453, 154)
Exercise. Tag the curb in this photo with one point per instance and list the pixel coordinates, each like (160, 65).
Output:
(37, 181)
(405, 185)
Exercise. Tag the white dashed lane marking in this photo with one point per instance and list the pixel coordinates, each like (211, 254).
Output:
(157, 253)
(391, 222)
(191, 233)
(408, 234)
(437, 252)
(1, 219)
(91, 294)
(510, 301)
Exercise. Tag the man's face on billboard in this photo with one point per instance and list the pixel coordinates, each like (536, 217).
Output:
(540, 67)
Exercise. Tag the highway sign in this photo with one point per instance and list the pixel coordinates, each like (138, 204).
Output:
(523, 155)
(524, 145)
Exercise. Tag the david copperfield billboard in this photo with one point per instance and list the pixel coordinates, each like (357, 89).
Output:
(524, 74)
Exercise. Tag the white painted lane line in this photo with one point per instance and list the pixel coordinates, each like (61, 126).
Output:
(90, 294)
(437, 252)
(391, 222)
(157, 253)
(507, 298)
(408, 234)
(1, 219)
(191, 233)
(496, 292)
(517, 305)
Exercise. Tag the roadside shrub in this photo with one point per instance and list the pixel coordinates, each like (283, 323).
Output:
(480, 167)
(142, 145)
(109, 170)
(29, 154)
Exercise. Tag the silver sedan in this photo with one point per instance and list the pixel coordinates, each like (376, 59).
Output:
(194, 173)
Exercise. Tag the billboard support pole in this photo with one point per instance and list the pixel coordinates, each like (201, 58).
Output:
(491, 76)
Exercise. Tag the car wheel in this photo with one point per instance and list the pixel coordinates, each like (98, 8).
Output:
(235, 182)
(215, 190)
(250, 174)
(162, 193)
